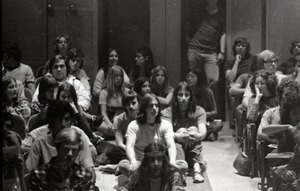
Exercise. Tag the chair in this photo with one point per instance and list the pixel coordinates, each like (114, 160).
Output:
(28, 94)
(19, 126)
(30, 122)
(37, 81)
(39, 72)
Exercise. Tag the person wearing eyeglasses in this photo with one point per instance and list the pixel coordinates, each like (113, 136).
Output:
(267, 60)
(60, 70)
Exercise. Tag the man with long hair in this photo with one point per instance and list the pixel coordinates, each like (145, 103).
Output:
(154, 173)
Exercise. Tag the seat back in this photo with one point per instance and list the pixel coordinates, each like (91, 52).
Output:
(19, 126)
(28, 94)
(31, 122)
(39, 71)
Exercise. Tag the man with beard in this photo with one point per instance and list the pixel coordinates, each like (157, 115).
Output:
(62, 172)
(155, 173)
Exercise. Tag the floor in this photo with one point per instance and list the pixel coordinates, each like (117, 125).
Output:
(220, 174)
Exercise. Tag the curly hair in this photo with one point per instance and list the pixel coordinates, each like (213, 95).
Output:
(289, 103)
(143, 105)
(286, 85)
(156, 89)
(271, 81)
(241, 40)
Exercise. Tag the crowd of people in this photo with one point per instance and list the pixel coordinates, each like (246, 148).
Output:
(160, 128)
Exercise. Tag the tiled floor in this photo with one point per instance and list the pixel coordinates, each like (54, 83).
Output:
(219, 156)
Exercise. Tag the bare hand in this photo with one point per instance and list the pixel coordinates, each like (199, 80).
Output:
(238, 58)
(122, 189)
(194, 136)
(258, 94)
(74, 107)
(221, 56)
(182, 136)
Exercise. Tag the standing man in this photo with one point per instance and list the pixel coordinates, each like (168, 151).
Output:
(206, 40)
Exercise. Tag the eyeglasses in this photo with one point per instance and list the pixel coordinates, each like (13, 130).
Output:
(59, 66)
(269, 62)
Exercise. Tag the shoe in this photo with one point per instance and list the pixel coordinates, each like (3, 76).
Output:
(198, 178)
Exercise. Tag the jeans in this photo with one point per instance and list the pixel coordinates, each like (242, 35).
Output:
(191, 153)
(207, 61)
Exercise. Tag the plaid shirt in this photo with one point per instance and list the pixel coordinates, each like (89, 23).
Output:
(80, 178)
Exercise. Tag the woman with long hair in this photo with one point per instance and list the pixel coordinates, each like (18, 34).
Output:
(189, 126)
(205, 98)
(160, 86)
(144, 64)
(142, 86)
(263, 86)
(111, 58)
(110, 99)
(11, 101)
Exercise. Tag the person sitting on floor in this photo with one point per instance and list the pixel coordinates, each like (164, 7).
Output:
(59, 116)
(155, 173)
(62, 172)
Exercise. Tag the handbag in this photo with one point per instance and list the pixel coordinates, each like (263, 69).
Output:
(242, 164)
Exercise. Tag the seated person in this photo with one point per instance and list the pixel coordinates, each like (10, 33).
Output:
(189, 125)
(130, 104)
(142, 87)
(146, 129)
(11, 59)
(111, 58)
(288, 66)
(205, 98)
(155, 172)
(76, 59)
(288, 135)
(243, 61)
(61, 172)
(60, 69)
(263, 87)
(11, 100)
(110, 100)
(11, 138)
(272, 115)
(267, 60)
(160, 86)
(59, 116)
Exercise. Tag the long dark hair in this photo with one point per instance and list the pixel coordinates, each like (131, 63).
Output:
(290, 102)
(143, 105)
(200, 89)
(106, 60)
(144, 168)
(47, 82)
(68, 88)
(271, 81)
(149, 64)
(192, 104)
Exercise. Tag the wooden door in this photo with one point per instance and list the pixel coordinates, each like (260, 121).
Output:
(78, 19)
